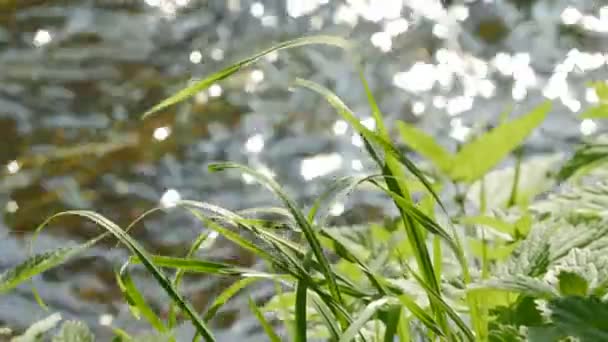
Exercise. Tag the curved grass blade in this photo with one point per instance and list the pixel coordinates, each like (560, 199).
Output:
(327, 317)
(364, 317)
(172, 319)
(368, 134)
(226, 295)
(436, 298)
(197, 265)
(226, 72)
(301, 220)
(140, 252)
(137, 302)
(301, 289)
(39, 263)
(419, 313)
(265, 325)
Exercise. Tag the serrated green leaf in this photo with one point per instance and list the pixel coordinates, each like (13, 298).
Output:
(572, 284)
(478, 157)
(518, 283)
(74, 331)
(581, 317)
(36, 330)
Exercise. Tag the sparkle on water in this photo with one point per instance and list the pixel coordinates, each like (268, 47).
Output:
(336, 209)
(217, 54)
(162, 133)
(170, 199)
(215, 90)
(42, 37)
(196, 57)
(459, 131)
(13, 166)
(257, 9)
(255, 144)
(11, 207)
(340, 127)
(320, 165)
(106, 319)
(588, 127)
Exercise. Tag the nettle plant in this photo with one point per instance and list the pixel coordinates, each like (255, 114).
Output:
(514, 268)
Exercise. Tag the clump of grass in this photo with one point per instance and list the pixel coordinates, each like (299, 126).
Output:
(397, 280)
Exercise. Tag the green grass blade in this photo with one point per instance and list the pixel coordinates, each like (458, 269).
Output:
(265, 325)
(392, 324)
(478, 157)
(369, 135)
(299, 217)
(364, 317)
(301, 289)
(227, 294)
(140, 252)
(137, 302)
(226, 72)
(419, 313)
(191, 265)
(172, 319)
(436, 298)
(376, 113)
(425, 145)
(39, 263)
(327, 317)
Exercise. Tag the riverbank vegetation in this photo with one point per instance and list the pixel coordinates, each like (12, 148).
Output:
(481, 250)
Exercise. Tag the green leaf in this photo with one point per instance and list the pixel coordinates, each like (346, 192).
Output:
(365, 315)
(74, 331)
(226, 72)
(518, 283)
(41, 262)
(581, 317)
(488, 221)
(265, 325)
(585, 159)
(597, 112)
(572, 284)
(479, 156)
(426, 146)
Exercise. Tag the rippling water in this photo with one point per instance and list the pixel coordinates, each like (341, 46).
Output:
(76, 75)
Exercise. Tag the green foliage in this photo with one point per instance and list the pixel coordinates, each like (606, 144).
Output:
(530, 270)
(478, 157)
(74, 331)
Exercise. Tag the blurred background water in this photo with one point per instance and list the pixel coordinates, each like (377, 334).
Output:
(75, 77)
